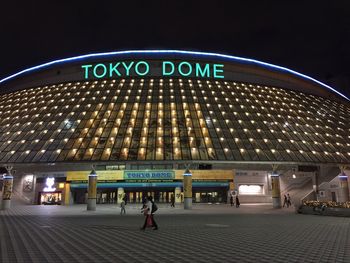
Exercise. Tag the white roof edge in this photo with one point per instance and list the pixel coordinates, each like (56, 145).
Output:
(264, 64)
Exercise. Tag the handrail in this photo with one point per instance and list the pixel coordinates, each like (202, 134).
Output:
(296, 184)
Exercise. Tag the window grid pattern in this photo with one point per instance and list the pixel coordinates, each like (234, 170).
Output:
(171, 119)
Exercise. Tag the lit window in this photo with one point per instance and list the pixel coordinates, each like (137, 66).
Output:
(250, 189)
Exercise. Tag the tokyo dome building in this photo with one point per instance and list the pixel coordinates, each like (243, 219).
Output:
(143, 117)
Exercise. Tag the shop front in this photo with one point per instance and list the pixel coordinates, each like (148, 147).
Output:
(50, 190)
(208, 185)
(52, 198)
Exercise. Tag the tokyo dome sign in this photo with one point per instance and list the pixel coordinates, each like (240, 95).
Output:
(144, 68)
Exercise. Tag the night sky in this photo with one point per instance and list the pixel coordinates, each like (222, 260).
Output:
(312, 37)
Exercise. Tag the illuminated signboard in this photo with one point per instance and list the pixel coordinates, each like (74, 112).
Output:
(149, 175)
(144, 68)
(50, 181)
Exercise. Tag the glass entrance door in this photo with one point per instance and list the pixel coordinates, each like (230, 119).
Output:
(159, 196)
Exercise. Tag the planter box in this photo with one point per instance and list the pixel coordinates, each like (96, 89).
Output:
(327, 211)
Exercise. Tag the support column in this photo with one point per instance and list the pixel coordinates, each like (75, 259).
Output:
(120, 195)
(67, 194)
(7, 190)
(187, 185)
(276, 192)
(344, 187)
(315, 181)
(177, 195)
(230, 191)
(92, 191)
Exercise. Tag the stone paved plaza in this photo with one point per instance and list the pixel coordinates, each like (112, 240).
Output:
(208, 233)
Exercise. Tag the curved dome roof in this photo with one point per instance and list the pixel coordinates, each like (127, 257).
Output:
(173, 120)
(252, 112)
(236, 68)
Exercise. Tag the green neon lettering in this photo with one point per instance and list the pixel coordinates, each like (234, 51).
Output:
(127, 68)
(104, 71)
(216, 71)
(137, 68)
(202, 73)
(114, 69)
(189, 69)
(86, 67)
(171, 64)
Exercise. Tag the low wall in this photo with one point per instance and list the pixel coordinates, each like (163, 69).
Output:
(255, 199)
(326, 211)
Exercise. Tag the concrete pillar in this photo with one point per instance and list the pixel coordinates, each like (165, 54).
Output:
(177, 195)
(67, 194)
(276, 192)
(7, 191)
(187, 185)
(120, 195)
(315, 181)
(230, 191)
(344, 188)
(92, 191)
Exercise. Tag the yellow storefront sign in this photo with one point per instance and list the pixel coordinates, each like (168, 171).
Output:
(207, 174)
(116, 175)
(101, 175)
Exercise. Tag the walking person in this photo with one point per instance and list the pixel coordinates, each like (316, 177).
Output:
(285, 201)
(122, 207)
(153, 210)
(172, 200)
(289, 200)
(237, 202)
(147, 210)
(231, 200)
(125, 198)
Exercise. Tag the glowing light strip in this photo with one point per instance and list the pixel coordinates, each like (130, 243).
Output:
(253, 61)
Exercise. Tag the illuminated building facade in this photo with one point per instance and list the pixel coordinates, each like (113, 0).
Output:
(141, 111)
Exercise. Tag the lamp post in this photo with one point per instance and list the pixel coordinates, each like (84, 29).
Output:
(187, 185)
(92, 191)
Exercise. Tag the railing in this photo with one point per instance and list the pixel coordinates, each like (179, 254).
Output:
(298, 184)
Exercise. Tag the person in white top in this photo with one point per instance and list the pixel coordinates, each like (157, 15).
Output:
(147, 211)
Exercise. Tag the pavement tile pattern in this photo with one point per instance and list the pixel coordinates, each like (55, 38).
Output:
(205, 234)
